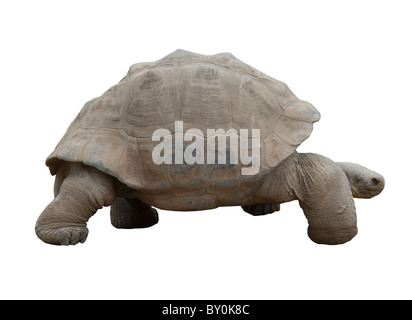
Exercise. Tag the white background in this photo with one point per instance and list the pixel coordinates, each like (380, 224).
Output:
(351, 59)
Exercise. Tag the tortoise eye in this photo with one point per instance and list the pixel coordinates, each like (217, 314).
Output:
(375, 181)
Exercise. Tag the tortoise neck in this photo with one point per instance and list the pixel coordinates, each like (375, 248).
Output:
(281, 183)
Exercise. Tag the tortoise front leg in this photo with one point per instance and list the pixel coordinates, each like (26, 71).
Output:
(326, 198)
(127, 213)
(80, 191)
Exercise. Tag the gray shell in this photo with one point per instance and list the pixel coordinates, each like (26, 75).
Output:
(114, 131)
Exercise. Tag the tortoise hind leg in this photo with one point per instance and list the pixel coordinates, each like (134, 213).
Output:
(261, 209)
(128, 213)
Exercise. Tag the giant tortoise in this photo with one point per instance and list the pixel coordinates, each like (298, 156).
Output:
(128, 149)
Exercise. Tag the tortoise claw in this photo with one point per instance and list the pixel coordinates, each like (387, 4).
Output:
(62, 236)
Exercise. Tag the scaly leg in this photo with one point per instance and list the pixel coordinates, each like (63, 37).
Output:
(326, 199)
(80, 191)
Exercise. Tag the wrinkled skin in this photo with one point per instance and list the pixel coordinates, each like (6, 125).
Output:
(324, 189)
(364, 184)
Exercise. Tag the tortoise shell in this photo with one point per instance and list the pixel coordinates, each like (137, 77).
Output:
(114, 131)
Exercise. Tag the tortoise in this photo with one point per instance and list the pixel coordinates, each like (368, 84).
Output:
(106, 157)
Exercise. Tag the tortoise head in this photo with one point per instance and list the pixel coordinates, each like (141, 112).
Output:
(364, 183)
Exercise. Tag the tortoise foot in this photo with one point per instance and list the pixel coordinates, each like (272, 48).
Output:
(63, 236)
(261, 208)
(331, 236)
(132, 213)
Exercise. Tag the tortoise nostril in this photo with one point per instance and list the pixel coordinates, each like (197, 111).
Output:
(375, 181)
